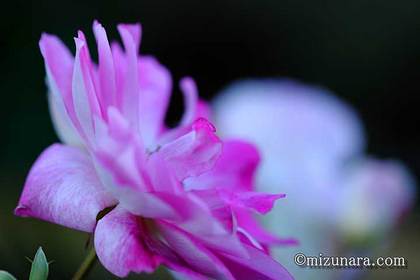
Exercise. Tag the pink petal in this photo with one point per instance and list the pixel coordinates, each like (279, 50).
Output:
(63, 126)
(246, 220)
(58, 63)
(91, 67)
(131, 92)
(161, 176)
(260, 202)
(227, 243)
(119, 59)
(120, 153)
(195, 152)
(219, 208)
(211, 232)
(135, 31)
(259, 266)
(234, 214)
(63, 188)
(107, 86)
(189, 89)
(171, 207)
(144, 187)
(153, 205)
(203, 110)
(195, 255)
(119, 244)
(155, 91)
(83, 92)
(239, 159)
(59, 67)
(235, 168)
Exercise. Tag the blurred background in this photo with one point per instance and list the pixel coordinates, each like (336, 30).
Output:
(367, 52)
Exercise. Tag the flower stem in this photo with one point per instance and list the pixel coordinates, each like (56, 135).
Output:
(86, 265)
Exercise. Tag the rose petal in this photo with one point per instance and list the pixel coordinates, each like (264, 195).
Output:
(246, 220)
(119, 244)
(63, 126)
(131, 91)
(203, 110)
(189, 89)
(63, 188)
(259, 266)
(83, 92)
(193, 253)
(59, 67)
(107, 87)
(155, 92)
(235, 168)
(119, 153)
(259, 202)
(195, 152)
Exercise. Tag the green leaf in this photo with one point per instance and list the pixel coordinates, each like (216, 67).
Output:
(4, 275)
(39, 270)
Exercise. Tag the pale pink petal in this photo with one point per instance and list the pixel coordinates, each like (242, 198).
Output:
(235, 168)
(195, 255)
(239, 159)
(195, 152)
(170, 135)
(248, 222)
(119, 244)
(107, 86)
(59, 67)
(171, 207)
(221, 210)
(135, 31)
(218, 199)
(203, 110)
(259, 266)
(141, 186)
(131, 91)
(189, 89)
(144, 187)
(260, 202)
(154, 205)
(63, 126)
(155, 91)
(228, 243)
(212, 232)
(58, 63)
(248, 239)
(90, 65)
(83, 92)
(62, 187)
(120, 66)
(161, 176)
(120, 153)
(234, 214)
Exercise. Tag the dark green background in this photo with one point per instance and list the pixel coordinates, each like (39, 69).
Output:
(368, 52)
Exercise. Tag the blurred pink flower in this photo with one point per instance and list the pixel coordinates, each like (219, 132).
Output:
(151, 195)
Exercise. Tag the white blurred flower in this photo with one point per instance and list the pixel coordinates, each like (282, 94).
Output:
(312, 149)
